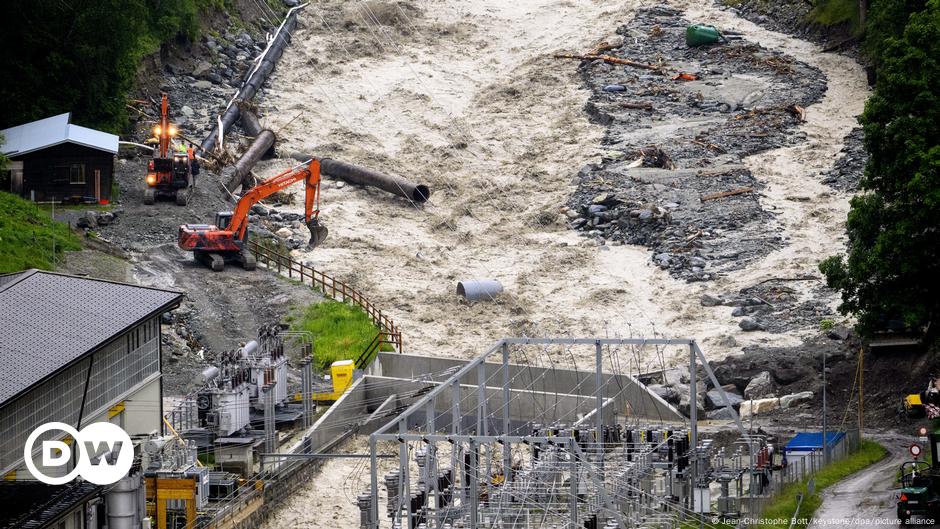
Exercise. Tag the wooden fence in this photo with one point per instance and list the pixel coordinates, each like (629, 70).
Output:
(336, 289)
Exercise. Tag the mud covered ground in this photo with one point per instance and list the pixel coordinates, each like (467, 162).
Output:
(220, 312)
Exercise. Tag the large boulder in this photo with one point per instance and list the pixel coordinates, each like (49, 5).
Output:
(759, 406)
(715, 401)
(709, 300)
(749, 325)
(721, 414)
(760, 386)
(676, 376)
(202, 69)
(105, 218)
(668, 394)
(795, 399)
(87, 220)
(685, 402)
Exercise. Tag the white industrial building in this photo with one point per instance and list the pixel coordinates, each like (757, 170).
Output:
(74, 350)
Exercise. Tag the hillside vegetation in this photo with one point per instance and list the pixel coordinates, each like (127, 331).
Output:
(28, 236)
(82, 55)
(888, 276)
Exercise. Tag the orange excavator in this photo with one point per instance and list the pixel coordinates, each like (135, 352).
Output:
(170, 172)
(224, 241)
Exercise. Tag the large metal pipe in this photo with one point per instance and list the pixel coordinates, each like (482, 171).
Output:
(255, 77)
(263, 143)
(210, 373)
(250, 122)
(475, 289)
(358, 175)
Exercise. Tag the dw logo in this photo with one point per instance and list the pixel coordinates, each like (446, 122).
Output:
(105, 453)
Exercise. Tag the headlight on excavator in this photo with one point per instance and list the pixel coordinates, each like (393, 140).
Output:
(151, 179)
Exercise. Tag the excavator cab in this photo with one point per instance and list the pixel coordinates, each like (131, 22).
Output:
(223, 219)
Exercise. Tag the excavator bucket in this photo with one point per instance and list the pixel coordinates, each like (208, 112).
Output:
(318, 233)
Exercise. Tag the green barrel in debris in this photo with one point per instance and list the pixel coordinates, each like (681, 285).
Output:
(699, 35)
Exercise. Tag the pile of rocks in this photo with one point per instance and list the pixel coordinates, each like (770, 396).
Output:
(199, 89)
(747, 396)
(850, 166)
(795, 17)
(90, 220)
(269, 223)
(670, 144)
(774, 307)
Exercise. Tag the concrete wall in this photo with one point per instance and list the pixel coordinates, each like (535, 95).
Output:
(525, 407)
(141, 414)
(631, 398)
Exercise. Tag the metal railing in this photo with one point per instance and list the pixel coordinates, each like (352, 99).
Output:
(336, 289)
(368, 354)
(799, 469)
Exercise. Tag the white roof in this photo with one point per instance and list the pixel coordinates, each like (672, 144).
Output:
(53, 131)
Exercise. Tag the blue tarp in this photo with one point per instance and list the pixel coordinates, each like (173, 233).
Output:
(809, 441)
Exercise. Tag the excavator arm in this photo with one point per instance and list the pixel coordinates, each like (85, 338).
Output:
(310, 173)
(163, 131)
(213, 244)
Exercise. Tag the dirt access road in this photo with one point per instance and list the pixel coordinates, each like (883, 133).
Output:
(466, 97)
(867, 498)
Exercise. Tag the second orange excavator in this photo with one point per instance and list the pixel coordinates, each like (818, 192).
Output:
(171, 171)
(224, 241)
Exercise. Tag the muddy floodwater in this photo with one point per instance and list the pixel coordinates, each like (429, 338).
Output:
(466, 97)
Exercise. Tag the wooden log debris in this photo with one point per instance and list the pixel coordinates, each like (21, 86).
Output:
(723, 194)
(609, 58)
(646, 105)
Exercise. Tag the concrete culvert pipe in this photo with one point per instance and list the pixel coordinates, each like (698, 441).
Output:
(476, 289)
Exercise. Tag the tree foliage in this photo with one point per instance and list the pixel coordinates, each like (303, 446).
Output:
(81, 56)
(890, 271)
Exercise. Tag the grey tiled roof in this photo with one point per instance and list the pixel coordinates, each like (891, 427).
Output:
(49, 320)
(54, 130)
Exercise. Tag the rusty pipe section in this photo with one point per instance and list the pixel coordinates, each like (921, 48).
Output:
(363, 176)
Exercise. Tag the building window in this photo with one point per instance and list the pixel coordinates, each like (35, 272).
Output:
(77, 173)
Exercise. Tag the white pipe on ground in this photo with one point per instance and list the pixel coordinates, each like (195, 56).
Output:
(476, 289)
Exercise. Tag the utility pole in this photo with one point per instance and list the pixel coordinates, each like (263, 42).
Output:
(53, 233)
(861, 391)
(825, 411)
(862, 14)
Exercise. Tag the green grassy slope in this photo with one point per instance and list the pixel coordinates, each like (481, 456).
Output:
(28, 235)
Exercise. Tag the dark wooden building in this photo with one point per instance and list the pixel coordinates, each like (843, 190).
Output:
(53, 160)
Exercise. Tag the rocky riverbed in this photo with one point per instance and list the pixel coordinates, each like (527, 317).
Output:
(676, 138)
